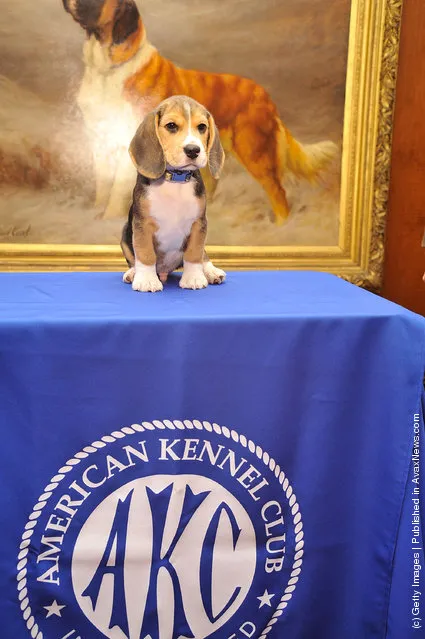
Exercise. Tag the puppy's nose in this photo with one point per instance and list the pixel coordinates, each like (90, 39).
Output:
(192, 151)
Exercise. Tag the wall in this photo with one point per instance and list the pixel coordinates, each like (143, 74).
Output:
(405, 258)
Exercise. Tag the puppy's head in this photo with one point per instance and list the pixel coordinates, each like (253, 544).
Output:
(110, 21)
(179, 134)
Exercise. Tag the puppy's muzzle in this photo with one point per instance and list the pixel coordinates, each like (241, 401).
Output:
(192, 151)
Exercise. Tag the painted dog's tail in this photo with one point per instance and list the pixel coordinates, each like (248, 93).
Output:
(304, 160)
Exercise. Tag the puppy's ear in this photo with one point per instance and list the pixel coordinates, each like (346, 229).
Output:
(146, 150)
(214, 149)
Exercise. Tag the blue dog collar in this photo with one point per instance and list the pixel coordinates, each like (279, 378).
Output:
(173, 175)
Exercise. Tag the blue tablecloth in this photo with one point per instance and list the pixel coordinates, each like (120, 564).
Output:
(241, 461)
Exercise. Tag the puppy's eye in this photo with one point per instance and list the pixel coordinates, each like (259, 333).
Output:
(172, 127)
(202, 128)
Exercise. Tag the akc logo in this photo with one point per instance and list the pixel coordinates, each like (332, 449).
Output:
(162, 530)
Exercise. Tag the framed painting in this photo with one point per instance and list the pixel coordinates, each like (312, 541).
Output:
(307, 139)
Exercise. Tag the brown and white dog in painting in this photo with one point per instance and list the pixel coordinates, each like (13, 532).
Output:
(167, 223)
(126, 77)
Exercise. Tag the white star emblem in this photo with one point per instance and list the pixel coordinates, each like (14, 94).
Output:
(265, 599)
(53, 609)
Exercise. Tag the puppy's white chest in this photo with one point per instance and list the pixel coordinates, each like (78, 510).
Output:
(175, 208)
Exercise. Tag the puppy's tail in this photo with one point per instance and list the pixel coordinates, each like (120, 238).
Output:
(308, 161)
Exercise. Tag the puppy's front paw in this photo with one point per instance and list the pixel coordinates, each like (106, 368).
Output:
(213, 274)
(193, 280)
(146, 283)
(128, 276)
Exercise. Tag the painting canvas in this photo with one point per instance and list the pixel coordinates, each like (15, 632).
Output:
(64, 177)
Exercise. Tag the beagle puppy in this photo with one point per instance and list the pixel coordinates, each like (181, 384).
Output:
(125, 77)
(167, 222)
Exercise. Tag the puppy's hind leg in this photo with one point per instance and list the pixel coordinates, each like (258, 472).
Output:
(127, 249)
(213, 274)
(128, 276)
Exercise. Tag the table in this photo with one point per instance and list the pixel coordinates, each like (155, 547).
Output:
(241, 461)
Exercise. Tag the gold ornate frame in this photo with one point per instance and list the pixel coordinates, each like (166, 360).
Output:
(370, 96)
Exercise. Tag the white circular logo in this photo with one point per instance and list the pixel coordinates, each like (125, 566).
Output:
(158, 527)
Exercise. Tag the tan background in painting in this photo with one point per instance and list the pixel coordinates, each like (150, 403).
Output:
(296, 48)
